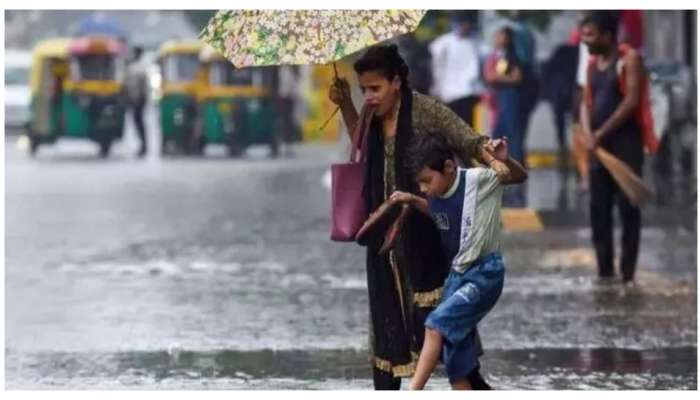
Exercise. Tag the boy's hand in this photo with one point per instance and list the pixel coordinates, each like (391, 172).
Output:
(401, 197)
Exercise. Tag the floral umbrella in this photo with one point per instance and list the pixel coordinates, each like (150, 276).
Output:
(285, 37)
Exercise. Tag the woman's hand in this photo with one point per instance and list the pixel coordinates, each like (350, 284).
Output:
(499, 148)
(487, 157)
(339, 92)
(500, 168)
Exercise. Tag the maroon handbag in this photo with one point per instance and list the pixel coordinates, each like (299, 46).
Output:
(348, 209)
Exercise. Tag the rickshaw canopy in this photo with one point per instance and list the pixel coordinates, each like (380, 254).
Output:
(96, 45)
(56, 48)
(180, 47)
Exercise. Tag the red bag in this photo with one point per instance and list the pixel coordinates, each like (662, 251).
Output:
(348, 209)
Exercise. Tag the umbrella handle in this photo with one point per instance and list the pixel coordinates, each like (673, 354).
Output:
(329, 119)
(335, 70)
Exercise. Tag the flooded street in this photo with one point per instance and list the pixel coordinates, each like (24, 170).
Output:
(182, 273)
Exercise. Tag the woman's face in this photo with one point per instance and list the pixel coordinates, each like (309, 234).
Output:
(379, 92)
(501, 40)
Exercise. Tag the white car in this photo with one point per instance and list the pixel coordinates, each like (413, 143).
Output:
(17, 93)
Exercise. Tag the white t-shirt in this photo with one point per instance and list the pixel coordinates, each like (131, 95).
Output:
(456, 72)
(137, 81)
(468, 216)
(582, 71)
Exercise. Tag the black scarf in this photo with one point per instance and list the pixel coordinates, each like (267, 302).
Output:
(419, 234)
(418, 250)
(374, 173)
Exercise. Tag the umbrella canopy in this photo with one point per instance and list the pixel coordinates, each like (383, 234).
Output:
(283, 37)
(96, 26)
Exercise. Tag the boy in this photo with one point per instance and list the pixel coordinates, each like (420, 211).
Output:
(466, 206)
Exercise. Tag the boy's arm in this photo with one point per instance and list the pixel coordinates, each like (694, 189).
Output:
(517, 173)
(420, 204)
(412, 200)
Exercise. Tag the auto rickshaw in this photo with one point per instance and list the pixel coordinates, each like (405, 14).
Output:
(179, 64)
(77, 91)
(236, 106)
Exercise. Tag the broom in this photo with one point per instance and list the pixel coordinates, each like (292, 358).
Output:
(580, 152)
(633, 186)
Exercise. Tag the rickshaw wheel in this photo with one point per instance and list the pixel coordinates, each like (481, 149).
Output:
(234, 148)
(33, 145)
(164, 146)
(274, 150)
(198, 148)
(274, 146)
(105, 146)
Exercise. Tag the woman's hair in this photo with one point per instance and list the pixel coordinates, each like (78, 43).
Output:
(429, 151)
(508, 32)
(383, 59)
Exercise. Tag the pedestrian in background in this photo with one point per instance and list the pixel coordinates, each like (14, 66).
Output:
(503, 72)
(456, 66)
(611, 119)
(558, 89)
(287, 98)
(525, 46)
(137, 95)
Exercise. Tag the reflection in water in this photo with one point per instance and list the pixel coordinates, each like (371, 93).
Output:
(585, 368)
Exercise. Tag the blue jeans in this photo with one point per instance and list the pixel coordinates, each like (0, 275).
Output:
(467, 298)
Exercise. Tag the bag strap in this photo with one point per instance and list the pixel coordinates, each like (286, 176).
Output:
(359, 137)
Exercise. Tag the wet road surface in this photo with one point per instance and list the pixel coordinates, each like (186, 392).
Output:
(218, 273)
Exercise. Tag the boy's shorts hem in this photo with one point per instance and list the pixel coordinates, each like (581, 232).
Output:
(462, 377)
(429, 323)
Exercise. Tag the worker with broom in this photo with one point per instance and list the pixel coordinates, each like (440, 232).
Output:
(616, 118)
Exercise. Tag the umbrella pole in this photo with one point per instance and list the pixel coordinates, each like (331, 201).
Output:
(329, 119)
(335, 71)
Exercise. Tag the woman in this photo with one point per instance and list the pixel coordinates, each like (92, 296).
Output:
(405, 285)
(504, 74)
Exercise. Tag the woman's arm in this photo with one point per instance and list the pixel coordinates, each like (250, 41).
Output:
(339, 94)
(514, 77)
(464, 141)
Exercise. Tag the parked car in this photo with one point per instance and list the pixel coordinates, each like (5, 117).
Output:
(17, 93)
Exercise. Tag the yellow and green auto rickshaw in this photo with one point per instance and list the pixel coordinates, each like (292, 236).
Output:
(179, 66)
(77, 91)
(236, 106)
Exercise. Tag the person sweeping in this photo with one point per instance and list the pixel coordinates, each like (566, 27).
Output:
(616, 119)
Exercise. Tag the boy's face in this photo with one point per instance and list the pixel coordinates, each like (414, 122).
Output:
(434, 183)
